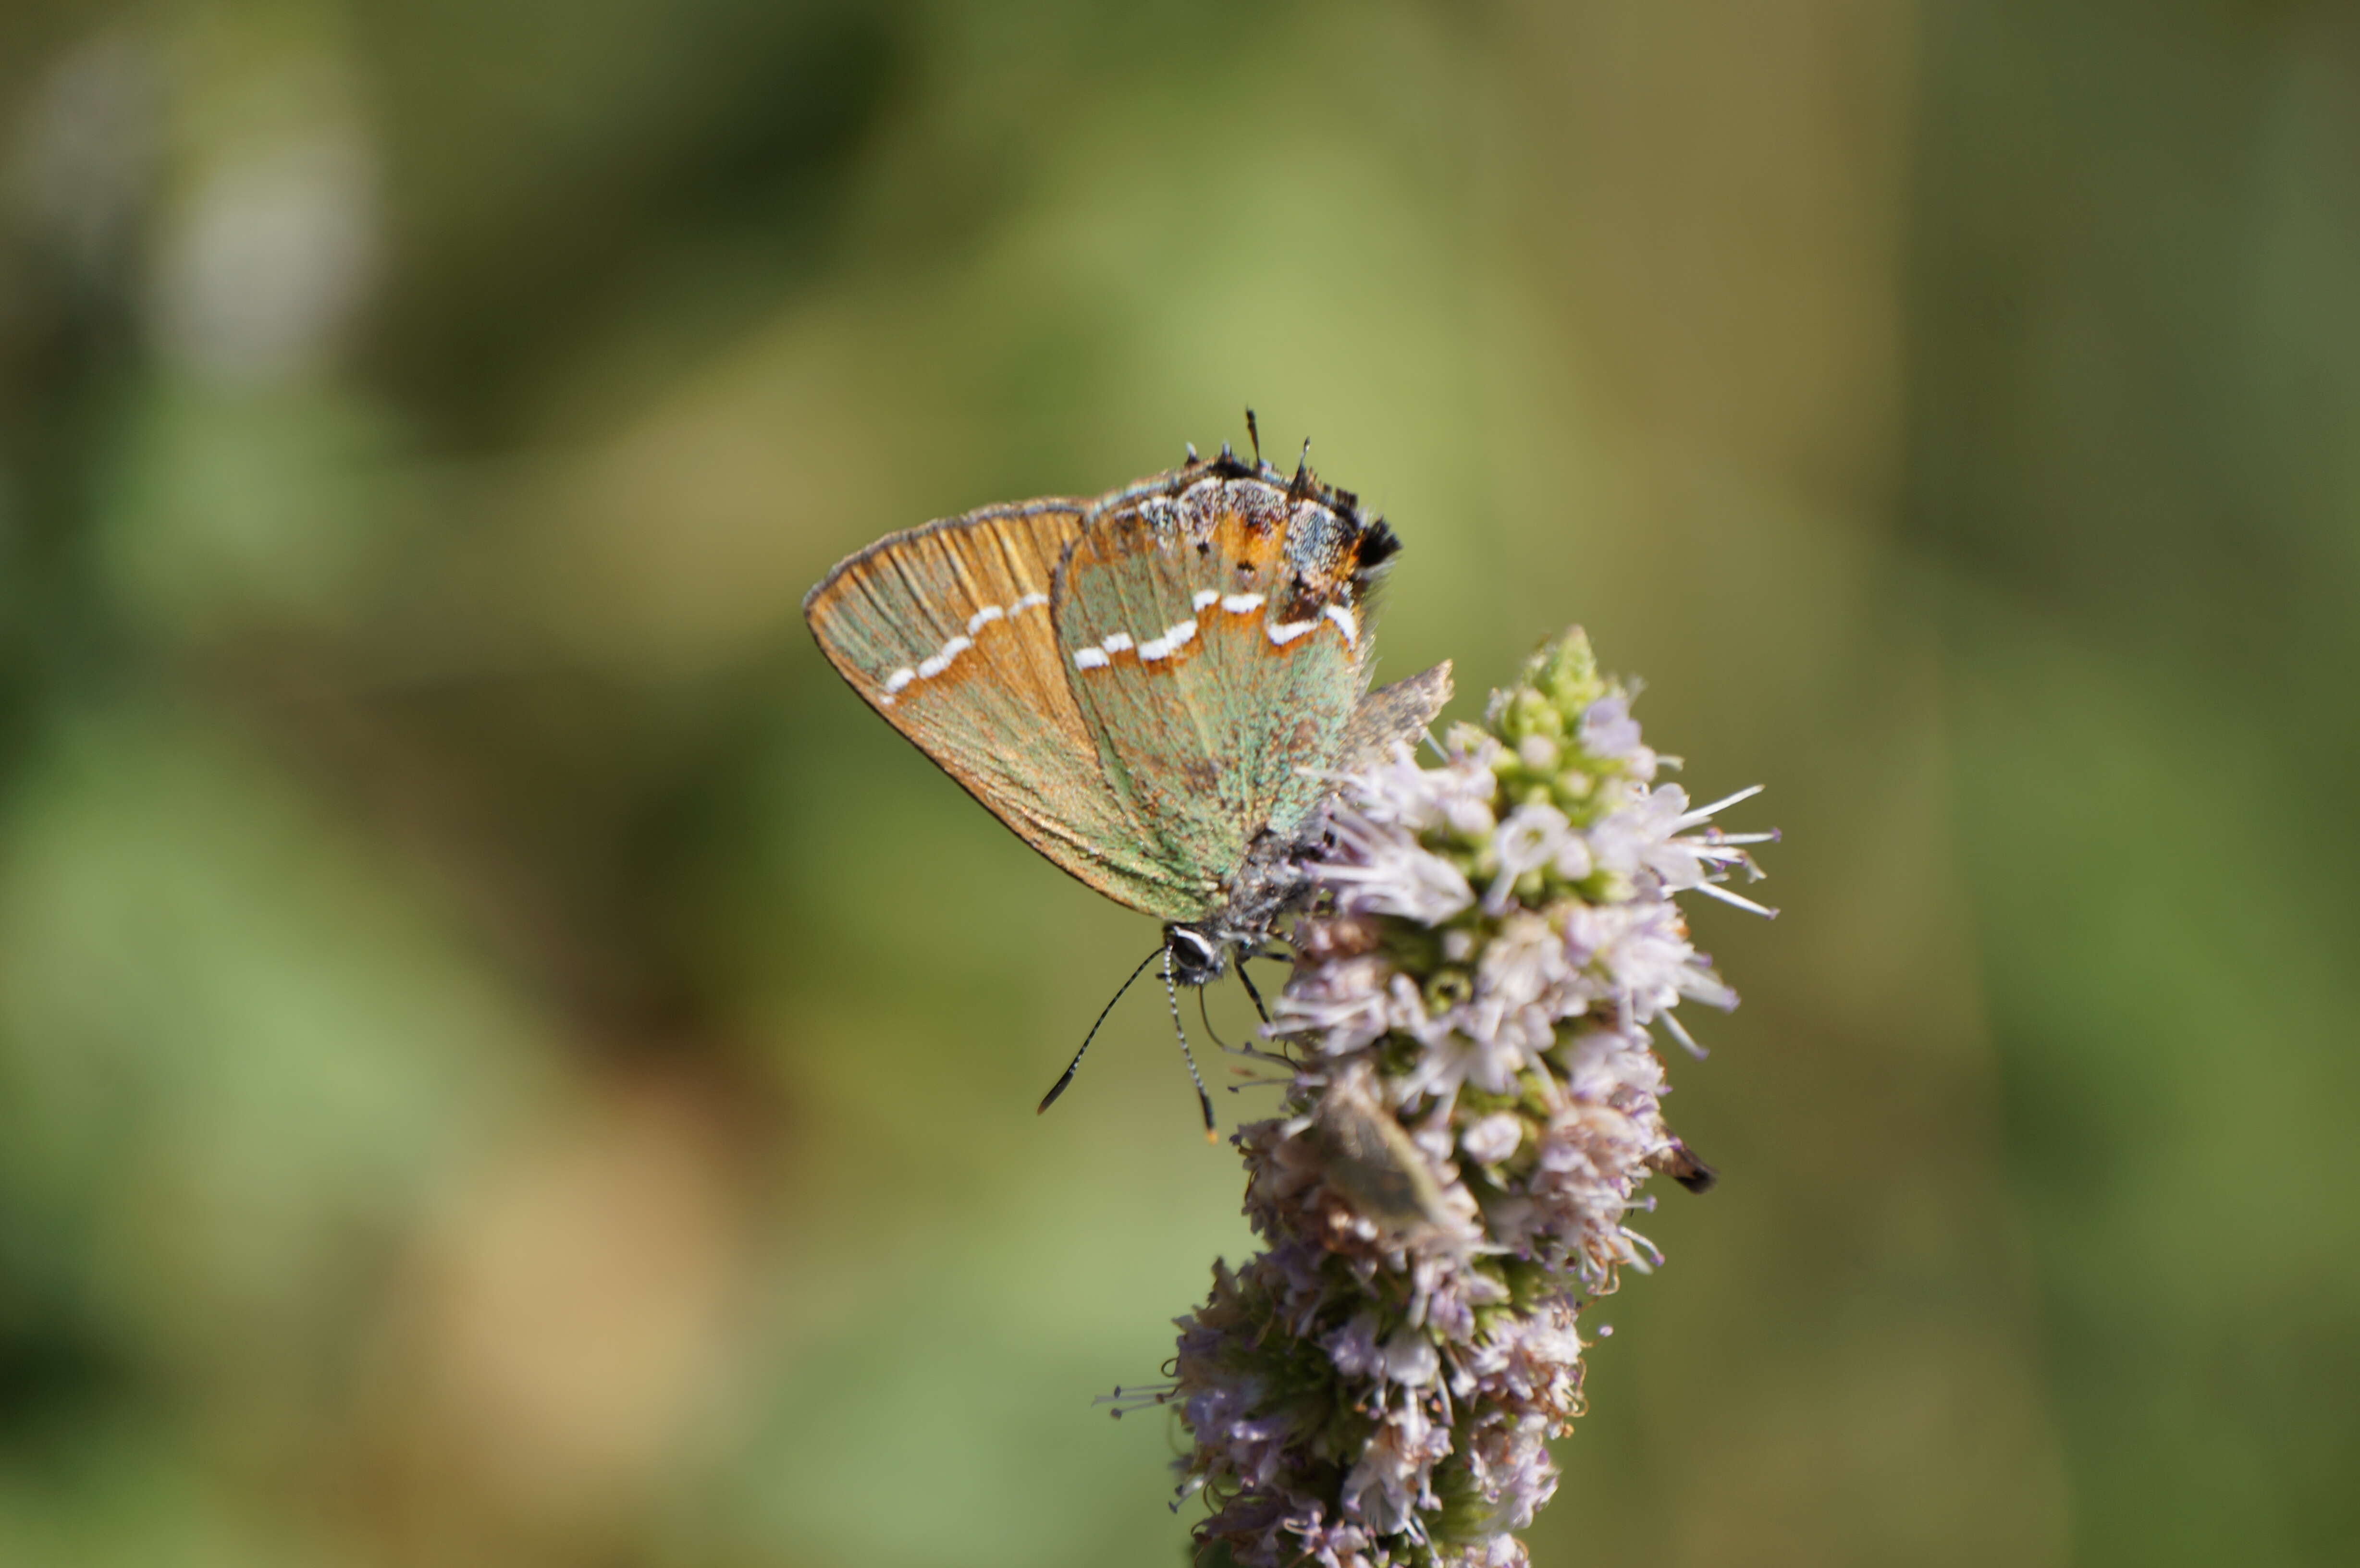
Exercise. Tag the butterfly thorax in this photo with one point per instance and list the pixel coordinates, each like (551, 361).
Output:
(1270, 885)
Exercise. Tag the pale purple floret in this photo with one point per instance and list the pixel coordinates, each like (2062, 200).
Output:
(1608, 730)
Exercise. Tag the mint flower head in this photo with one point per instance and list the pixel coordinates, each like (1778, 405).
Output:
(1472, 1103)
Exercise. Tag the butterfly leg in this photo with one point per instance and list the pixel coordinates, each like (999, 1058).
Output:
(1247, 981)
(1171, 995)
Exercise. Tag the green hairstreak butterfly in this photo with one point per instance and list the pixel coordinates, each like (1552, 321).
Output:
(1156, 690)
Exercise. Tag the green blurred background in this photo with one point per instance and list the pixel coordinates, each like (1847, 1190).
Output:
(504, 1061)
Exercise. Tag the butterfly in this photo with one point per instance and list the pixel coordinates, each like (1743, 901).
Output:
(1157, 690)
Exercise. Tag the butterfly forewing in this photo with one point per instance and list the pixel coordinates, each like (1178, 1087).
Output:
(946, 631)
(1212, 631)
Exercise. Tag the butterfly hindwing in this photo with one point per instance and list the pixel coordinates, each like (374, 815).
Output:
(946, 631)
(1212, 625)
(1394, 715)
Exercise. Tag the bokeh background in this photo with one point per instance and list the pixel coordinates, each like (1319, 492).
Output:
(503, 1061)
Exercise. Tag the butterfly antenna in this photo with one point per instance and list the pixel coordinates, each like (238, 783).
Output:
(1059, 1087)
(1254, 435)
(1171, 995)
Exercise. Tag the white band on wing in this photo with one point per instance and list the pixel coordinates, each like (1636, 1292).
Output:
(1175, 639)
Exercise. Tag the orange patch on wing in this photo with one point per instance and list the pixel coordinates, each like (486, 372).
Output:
(1237, 543)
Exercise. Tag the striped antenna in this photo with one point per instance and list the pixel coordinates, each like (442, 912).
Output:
(1172, 996)
(1059, 1087)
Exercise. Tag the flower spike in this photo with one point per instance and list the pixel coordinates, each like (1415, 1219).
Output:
(1473, 1106)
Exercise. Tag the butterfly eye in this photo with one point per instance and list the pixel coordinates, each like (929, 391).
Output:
(1195, 959)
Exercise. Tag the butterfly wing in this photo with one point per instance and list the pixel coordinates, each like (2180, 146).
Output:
(1393, 715)
(946, 631)
(1213, 627)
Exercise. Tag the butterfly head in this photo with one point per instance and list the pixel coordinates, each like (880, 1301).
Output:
(1199, 957)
